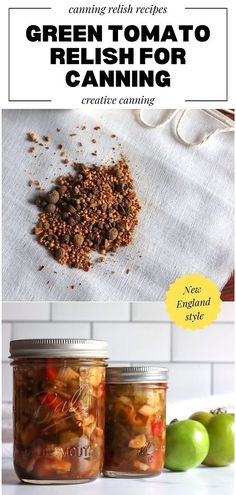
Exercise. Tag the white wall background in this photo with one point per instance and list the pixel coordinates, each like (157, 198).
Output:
(200, 362)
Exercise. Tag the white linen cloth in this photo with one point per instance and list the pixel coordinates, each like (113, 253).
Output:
(186, 221)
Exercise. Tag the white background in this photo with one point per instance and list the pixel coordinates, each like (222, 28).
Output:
(203, 77)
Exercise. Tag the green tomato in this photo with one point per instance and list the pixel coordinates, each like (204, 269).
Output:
(202, 417)
(220, 427)
(187, 445)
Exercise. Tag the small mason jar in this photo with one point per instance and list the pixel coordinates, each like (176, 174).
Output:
(58, 408)
(135, 421)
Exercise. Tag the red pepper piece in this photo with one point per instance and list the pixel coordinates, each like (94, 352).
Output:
(51, 370)
(156, 428)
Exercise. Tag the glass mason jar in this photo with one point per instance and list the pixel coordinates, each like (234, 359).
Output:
(58, 405)
(135, 421)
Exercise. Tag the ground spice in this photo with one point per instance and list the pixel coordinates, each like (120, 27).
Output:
(36, 184)
(96, 209)
(32, 137)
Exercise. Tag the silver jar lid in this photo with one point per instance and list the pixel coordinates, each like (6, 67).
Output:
(40, 348)
(137, 374)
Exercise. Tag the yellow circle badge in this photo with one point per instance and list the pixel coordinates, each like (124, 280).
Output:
(193, 301)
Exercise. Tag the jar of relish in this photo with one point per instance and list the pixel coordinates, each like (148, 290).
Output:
(135, 421)
(58, 409)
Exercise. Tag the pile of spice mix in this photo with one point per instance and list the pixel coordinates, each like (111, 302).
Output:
(95, 209)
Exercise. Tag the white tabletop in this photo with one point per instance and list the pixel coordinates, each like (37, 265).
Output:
(204, 481)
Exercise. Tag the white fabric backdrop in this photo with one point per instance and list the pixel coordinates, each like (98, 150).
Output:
(186, 221)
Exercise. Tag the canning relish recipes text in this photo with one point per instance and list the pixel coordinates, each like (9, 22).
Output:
(123, 55)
